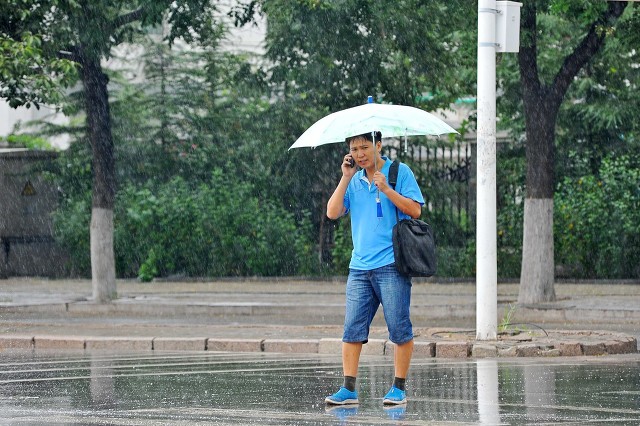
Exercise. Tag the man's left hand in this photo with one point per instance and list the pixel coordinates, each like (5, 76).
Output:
(380, 181)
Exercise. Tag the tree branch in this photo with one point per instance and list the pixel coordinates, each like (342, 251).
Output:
(128, 18)
(587, 48)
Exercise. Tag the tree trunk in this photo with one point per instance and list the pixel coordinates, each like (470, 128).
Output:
(538, 265)
(537, 275)
(99, 130)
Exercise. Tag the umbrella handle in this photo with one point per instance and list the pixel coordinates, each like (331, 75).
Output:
(405, 140)
(375, 166)
(375, 154)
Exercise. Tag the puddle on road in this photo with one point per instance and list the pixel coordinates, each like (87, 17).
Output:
(269, 389)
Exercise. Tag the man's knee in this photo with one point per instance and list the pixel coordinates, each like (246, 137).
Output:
(401, 331)
(408, 345)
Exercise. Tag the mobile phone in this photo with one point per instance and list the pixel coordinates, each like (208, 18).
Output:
(352, 162)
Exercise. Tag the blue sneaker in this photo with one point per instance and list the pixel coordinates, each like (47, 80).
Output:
(343, 397)
(395, 396)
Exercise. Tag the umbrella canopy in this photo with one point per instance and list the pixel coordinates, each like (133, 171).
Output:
(391, 120)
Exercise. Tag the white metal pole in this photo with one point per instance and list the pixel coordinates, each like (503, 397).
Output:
(486, 244)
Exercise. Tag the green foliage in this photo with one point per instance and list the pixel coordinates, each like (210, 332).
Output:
(597, 221)
(596, 119)
(456, 261)
(216, 228)
(505, 321)
(71, 228)
(597, 144)
(343, 246)
(27, 76)
(29, 141)
(561, 25)
(356, 48)
(510, 175)
(601, 119)
(149, 269)
(72, 174)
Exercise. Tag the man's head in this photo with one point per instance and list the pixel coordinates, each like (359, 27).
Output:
(367, 136)
(363, 150)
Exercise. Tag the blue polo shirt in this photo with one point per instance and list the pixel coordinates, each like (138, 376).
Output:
(372, 243)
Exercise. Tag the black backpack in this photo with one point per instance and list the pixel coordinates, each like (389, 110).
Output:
(414, 247)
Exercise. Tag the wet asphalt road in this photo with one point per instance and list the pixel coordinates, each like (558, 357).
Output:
(275, 389)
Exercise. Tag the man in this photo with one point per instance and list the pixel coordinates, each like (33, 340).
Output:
(373, 277)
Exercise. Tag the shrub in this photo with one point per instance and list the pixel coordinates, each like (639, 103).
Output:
(29, 141)
(597, 221)
(71, 226)
(176, 228)
(213, 229)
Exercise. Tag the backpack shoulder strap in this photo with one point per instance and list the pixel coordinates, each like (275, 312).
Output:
(393, 179)
(393, 174)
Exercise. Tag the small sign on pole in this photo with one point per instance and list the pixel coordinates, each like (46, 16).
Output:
(508, 26)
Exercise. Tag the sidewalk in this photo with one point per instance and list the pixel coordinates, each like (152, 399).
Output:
(295, 315)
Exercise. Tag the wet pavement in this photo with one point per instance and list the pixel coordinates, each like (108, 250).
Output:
(305, 316)
(162, 388)
(243, 352)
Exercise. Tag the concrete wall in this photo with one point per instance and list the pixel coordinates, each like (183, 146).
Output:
(27, 247)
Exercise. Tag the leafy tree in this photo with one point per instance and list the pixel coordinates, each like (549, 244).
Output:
(84, 32)
(189, 116)
(597, 146)
(329, 55)
(546, 74)
(600, 119)
(31, 73)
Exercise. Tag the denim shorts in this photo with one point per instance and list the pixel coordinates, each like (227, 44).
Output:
(366, 290)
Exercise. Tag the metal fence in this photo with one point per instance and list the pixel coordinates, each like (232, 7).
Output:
(444, 170)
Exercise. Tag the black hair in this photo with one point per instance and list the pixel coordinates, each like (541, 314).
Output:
(367, 136)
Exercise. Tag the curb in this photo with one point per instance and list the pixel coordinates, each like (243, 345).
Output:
(318, 312)
(575, 314)
(597, 344)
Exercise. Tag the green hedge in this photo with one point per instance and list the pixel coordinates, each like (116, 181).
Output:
(597, 221)
(207, 229)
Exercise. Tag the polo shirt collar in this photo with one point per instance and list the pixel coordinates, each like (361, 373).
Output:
(384, 170)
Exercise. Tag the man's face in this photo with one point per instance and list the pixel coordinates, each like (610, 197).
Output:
(363, 152)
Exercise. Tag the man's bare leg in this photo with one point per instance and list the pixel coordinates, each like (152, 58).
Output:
(402, 359)
(351, 358)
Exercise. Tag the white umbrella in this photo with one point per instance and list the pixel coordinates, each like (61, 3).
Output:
(391, 120)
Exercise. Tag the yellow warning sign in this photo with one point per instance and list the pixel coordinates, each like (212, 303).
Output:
(28, 189)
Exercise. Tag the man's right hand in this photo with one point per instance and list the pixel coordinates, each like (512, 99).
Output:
(347, 170)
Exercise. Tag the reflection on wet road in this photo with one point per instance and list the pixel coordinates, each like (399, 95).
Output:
(272, 389)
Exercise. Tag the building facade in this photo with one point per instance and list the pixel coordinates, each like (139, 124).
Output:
(27, 245)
